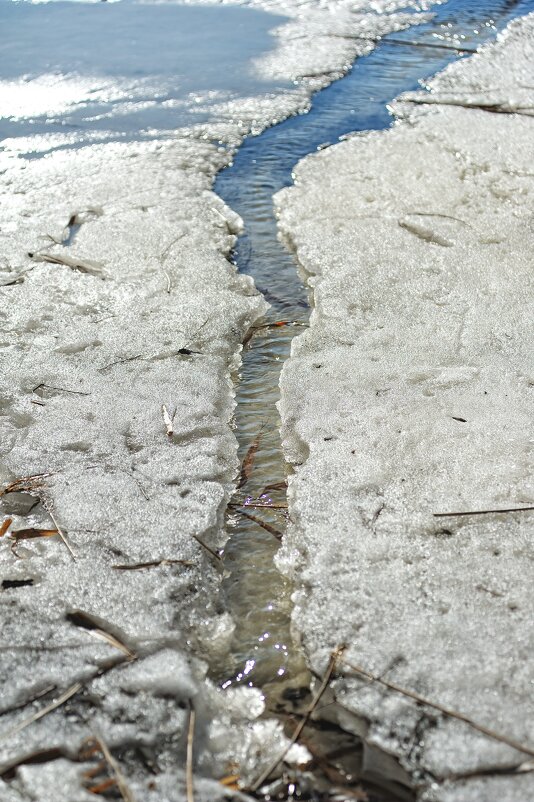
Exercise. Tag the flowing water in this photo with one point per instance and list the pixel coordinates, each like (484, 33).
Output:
(257, 595)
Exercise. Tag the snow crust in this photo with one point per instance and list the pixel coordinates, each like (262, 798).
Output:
(411, 394)
(118, 299)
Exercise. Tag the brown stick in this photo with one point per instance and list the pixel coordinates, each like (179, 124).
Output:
(189, 756)
(392, 686)
(334, 658)
(210, 551)
(480, 512)
(265, 506)
(264, 525)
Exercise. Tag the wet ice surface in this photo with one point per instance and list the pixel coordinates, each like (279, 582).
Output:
(410, 395)
(76, 73)
(121, 310)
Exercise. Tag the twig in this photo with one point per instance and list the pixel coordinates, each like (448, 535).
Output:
(189, 756)
(265, 506)
(210, 551)
(480, 512)
(60, 389)
(49, 508)
(26, 484)
(410, 43)
(121, 361)
(334, 659)
(86, 622)
(119, 776)
(495, 107)
(152, 564)
(264, 525)
(392, 686)
(41, 713)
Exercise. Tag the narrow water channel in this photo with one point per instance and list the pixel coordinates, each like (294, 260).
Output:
(258, 597)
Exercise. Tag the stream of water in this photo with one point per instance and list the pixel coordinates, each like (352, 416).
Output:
(258, 597)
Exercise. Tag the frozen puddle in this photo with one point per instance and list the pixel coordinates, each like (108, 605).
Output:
(122, 323)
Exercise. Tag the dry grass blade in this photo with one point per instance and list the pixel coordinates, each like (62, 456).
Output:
(100, 787)
(59, 389)
(93, 627)
(50, 510)
(256, 506)
(205, 546)
(120, 779)
(392, 686)
(25, 484)
(248, 462)
(264, 525)
(74, 689)
(28, 534)
(5, 526)
(480, 512)
(332, 663)
(75, 263)
(152, 564)
(189, 756)
(28, 701)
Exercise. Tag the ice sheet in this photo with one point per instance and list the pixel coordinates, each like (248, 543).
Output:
(411, 395)
(120, 310)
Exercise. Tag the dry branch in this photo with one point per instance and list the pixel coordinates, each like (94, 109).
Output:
(446, 711)
(152, 564)
(332, 664)
(264, 525)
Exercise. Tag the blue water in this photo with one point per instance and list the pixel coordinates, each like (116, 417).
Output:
(129, 71)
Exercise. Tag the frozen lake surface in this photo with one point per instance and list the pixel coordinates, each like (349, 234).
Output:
(74, 73)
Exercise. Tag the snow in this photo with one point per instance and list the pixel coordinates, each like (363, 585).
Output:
(410, 395)
(129, 305)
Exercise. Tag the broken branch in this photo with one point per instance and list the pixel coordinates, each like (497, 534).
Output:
(446, 711)
(334, 659)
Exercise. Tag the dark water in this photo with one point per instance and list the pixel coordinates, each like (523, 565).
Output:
(258, 597)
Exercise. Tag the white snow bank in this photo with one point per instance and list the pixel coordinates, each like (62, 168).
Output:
(410, 395)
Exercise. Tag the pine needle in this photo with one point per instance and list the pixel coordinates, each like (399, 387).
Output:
(49, 508)
(264, 525)
(189, 756)
(74, 689)
(115, 768)
(481, 512)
